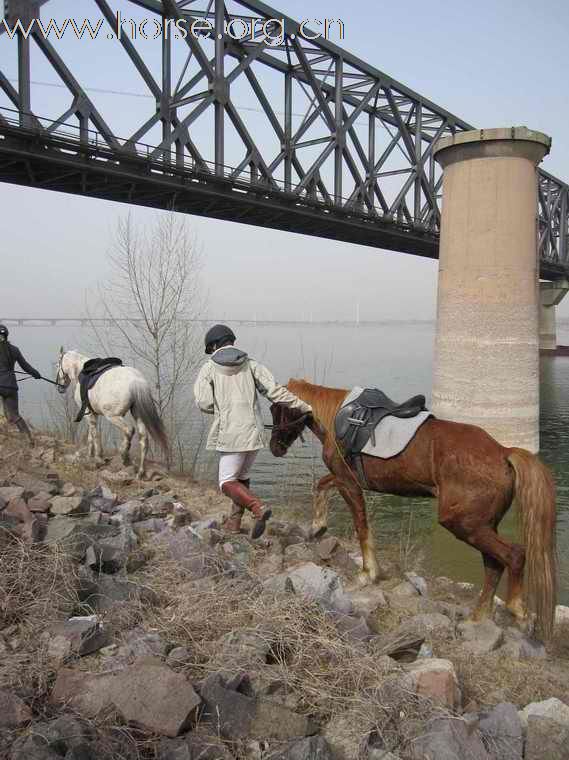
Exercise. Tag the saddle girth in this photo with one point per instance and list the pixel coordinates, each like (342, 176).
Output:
(91, 372)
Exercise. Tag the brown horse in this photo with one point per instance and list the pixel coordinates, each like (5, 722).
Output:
(475, 480)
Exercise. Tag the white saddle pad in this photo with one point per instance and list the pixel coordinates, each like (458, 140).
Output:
(392, 434)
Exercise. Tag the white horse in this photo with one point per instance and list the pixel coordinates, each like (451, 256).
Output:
(118, 391)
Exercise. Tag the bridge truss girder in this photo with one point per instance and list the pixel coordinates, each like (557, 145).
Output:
(363, 146)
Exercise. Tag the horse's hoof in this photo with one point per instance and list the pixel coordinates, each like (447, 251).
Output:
(364, 578)
(319, 532)
(141, 475)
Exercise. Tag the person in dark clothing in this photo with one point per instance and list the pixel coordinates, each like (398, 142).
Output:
(9, 356)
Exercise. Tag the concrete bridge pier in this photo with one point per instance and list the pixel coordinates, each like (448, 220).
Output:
(551, 294)
(487, 351)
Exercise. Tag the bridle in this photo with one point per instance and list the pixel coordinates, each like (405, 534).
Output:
(299, 423)
(62, 386)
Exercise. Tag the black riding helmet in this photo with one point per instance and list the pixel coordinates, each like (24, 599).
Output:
(4, 331)
(216, 336)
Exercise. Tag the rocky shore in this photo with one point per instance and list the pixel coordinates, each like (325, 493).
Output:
(132, 626)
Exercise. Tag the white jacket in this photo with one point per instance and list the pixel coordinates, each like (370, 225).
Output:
(226, 387)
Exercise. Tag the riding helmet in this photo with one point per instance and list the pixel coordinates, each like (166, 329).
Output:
(217, 334)
(4, 331)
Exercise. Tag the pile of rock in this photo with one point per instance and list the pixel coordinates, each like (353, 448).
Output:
(242, 708)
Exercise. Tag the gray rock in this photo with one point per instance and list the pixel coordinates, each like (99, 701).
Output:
(433, 679)
(550, 708)
(342, 735)
(238, 716)
(139, 643)
(41, 502)
(152, 525)
(109, 555)
(296, 553)
(70, 505)
(111, 592)
(33, 748)
(502, 732)
(546, 738)
(368, 601)
(64, 734)
(199, 526)
(404, 590)
(354, 629)
(433, 622)
(319, 584)
(132, 511)
(10, 493)
(122, 477)
(75, 535)
(449, 739)
(148, 694)
(419, 583)
(193, 746)
(14, 713)
(521, 647)
(180, 516)
(153, 696)
(480, 638)
(402, 644)
(158, 506)
(77, 636)
(198, 560)
(178, 656)
(311, 748)
(242, 650)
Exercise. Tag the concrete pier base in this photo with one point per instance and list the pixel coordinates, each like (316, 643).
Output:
(487, 351)
(550, 295)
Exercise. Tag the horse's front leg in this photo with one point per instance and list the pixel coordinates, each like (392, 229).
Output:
(127, 431)
(320, 506)
(94, 438)
(354, 498)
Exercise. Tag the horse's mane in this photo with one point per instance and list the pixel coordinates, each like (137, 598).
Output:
(324, 401)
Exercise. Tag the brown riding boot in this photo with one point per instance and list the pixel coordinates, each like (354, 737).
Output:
(241, 496)
(233, 523)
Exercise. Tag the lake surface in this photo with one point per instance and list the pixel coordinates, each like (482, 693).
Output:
(395, 357)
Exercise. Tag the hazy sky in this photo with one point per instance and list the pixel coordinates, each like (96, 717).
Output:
(496, 63)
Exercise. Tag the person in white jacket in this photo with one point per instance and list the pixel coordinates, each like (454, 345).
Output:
(227, 386)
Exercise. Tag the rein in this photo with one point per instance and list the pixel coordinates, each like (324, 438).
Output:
(41, 377)
(292, 424)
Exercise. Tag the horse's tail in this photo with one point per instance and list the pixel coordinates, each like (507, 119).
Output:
(535, 491)
(144, 409)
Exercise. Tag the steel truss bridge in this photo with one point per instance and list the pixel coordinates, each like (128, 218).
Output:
(335, 149)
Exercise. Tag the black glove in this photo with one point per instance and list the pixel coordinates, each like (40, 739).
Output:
(36, 375)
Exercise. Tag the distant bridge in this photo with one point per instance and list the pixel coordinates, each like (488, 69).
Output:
(86, 321)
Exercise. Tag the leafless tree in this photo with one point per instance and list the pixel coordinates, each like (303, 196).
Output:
(150, 301)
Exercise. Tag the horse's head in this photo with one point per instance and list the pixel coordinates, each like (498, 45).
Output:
(288, 425)
(62, 378)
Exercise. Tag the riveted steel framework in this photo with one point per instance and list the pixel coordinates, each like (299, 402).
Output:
(342, 151)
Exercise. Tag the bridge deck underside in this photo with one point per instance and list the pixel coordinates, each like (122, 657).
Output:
(31, 162)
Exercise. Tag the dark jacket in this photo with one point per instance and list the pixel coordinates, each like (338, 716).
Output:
(9, 356)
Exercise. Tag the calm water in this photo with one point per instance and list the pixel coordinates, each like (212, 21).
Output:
(395, 357)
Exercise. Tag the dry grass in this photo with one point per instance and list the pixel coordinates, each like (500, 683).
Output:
(291, 642)
(37, 587)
